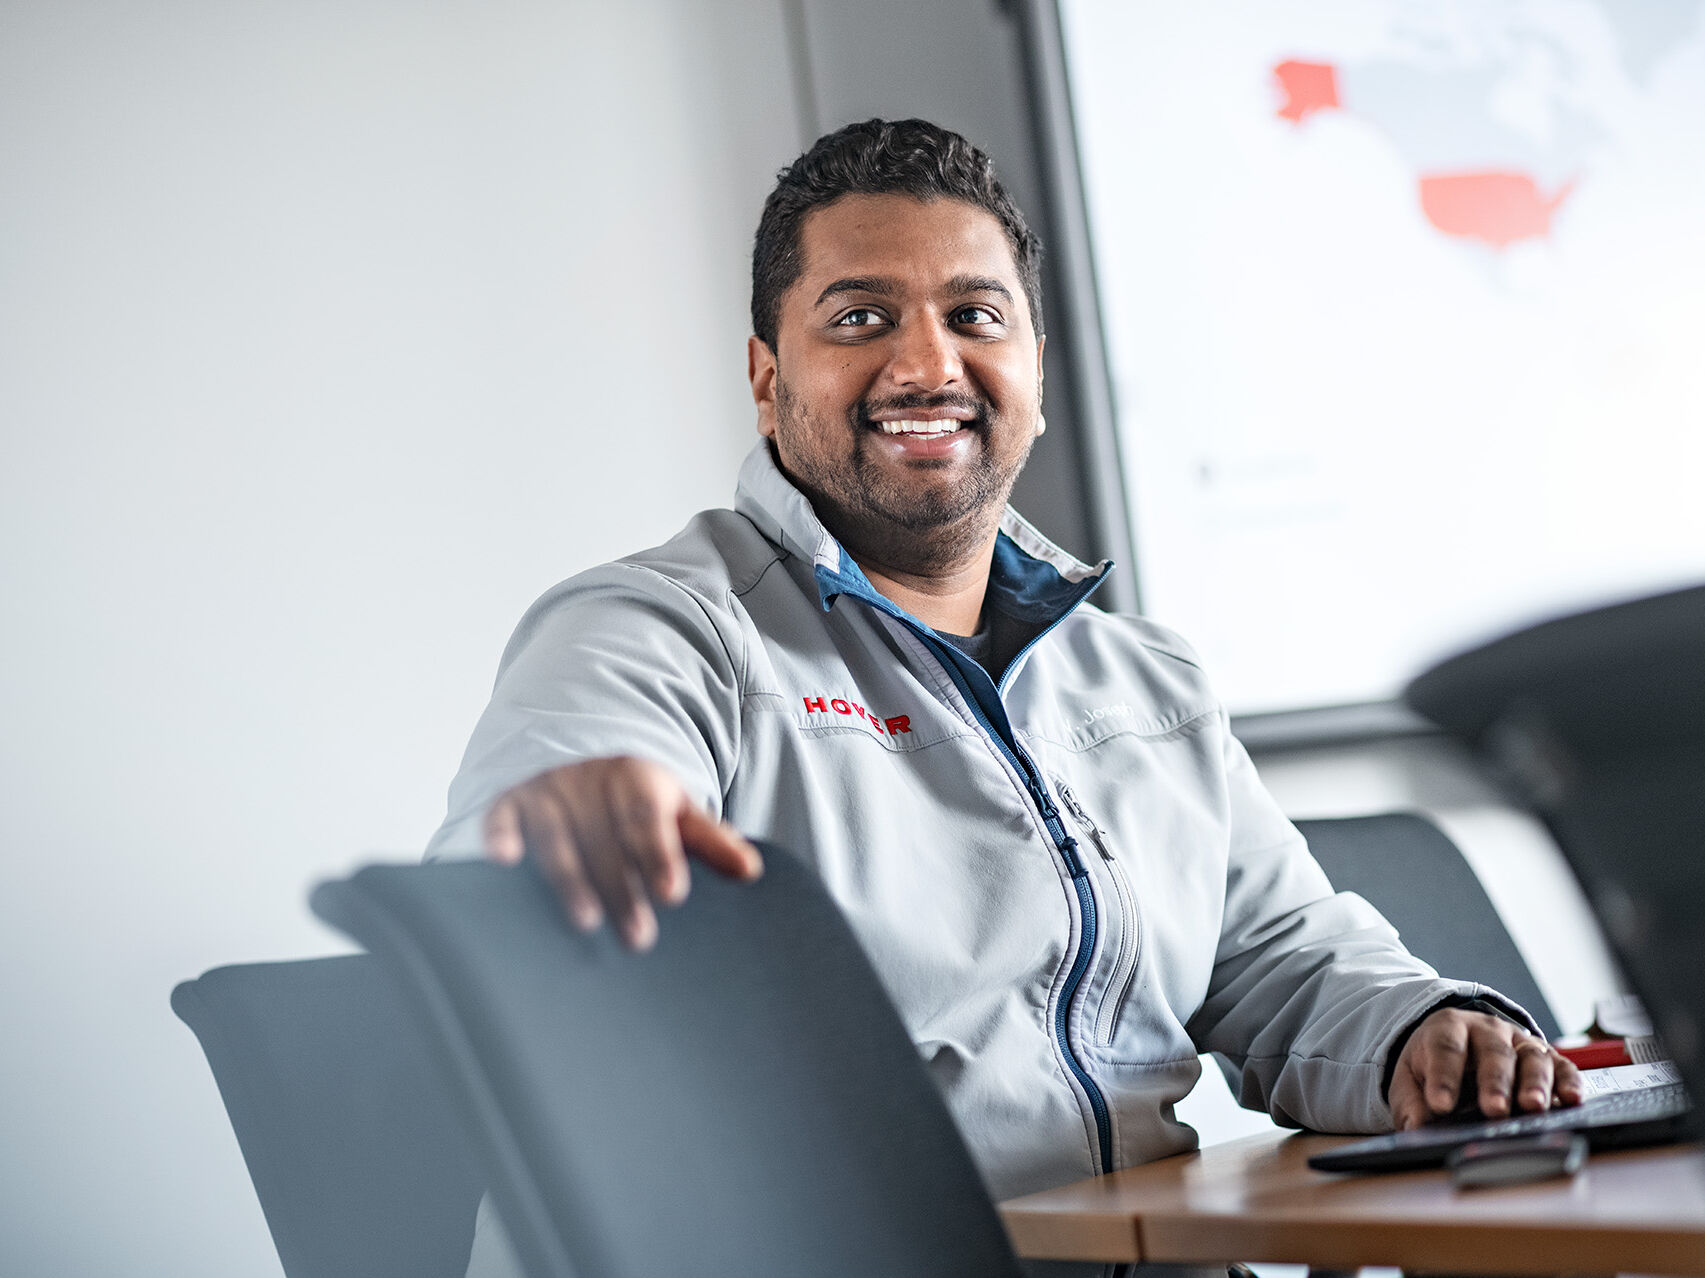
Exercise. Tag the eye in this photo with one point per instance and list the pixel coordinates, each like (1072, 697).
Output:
(860, 317)
(975, 316)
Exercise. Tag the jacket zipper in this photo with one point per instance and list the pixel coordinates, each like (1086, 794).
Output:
(1130, 940)
(1064, 843)
(1068, 849)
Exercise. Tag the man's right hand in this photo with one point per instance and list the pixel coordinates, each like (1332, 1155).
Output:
(613, 835)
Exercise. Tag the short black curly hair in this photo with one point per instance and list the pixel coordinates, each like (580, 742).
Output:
(880, 157)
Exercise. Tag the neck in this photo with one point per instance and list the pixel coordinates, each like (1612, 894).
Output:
(950, 600)
(939, 573)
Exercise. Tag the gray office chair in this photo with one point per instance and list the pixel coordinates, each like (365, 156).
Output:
(1413, 874)
(741, 1101)
(343, 1117)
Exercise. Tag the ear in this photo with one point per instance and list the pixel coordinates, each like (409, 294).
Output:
(761, 372)
(1041, 421)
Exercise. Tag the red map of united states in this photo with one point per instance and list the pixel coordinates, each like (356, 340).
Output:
(1497, 207)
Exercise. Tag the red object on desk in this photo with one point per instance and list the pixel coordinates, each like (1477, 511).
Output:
(1600, 1055)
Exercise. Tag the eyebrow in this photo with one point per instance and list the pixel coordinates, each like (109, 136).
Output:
(959, 284)
(978, 284)
(856, 284)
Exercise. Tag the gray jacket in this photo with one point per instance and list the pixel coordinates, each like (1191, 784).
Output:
(1071, 884)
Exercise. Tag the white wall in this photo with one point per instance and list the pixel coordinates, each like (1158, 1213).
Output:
(330, 335)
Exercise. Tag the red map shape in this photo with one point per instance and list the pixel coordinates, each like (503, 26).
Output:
(1497, 208)
(1308, 87)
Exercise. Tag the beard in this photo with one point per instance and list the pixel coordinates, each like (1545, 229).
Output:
(902, 517)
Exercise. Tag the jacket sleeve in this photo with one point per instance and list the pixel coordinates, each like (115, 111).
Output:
(1310, 988)
(619, 660)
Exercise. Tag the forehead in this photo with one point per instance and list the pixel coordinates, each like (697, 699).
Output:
(917, 245)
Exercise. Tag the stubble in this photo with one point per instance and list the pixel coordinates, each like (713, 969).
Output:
(899, 520)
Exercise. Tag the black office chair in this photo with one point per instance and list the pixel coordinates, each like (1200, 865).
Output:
(1597, 721)
(343, 1117)
(743, 1100)
(1414, 875)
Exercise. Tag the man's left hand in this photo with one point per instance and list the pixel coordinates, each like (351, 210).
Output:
(1456, 1053)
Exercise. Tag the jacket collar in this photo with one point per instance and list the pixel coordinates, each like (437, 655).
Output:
(1031, 578)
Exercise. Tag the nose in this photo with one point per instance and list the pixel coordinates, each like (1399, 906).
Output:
(926, 356)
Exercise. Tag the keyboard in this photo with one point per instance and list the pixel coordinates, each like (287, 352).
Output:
(1645, 1116)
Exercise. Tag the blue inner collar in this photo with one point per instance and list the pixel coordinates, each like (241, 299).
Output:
(1021, 585)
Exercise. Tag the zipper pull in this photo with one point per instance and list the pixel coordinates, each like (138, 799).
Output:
(1068, 846)
(1046, 807)
(1096, 834)
(1051, 815)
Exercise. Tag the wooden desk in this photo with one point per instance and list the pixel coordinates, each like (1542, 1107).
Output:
(1636, 1211)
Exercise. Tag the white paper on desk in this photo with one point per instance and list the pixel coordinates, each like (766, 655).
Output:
(1627, 1078)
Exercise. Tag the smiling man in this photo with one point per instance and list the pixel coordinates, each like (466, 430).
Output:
(1033, 812)
(912, 391)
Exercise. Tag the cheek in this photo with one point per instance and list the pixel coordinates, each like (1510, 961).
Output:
(1016, 397)
(829, 395)
(1011, 375)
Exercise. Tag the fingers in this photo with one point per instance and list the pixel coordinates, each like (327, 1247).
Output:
(1546, 1077)
(544, 829)
(644, 819)
(1432, 1066)
(1408, 1106)
(1506, 1067)
(1567, 1083)
(612, 836)
(620, 818)
(1500, 1070)
(719, 845)
(1532, 1074)
(1523, 1071)
(503, 838)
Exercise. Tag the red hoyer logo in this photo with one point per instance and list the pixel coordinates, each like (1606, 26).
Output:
(893, 727)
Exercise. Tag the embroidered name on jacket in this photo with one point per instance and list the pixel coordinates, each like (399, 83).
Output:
(892, 726)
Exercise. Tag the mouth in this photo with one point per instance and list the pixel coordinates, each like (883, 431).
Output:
(930, 437)
(924, 423)
(923, 429)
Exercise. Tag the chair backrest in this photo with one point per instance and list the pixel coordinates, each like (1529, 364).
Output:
(1414, 875)
(1597, 720)
(742, 1100)
(343, 1117)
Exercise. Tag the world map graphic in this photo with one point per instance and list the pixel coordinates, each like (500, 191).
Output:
(1517, 182)
(1403, 305)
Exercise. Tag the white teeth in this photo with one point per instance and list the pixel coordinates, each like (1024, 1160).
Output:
(946, 427)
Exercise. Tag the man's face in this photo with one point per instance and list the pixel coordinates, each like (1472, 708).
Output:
(904, 390)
